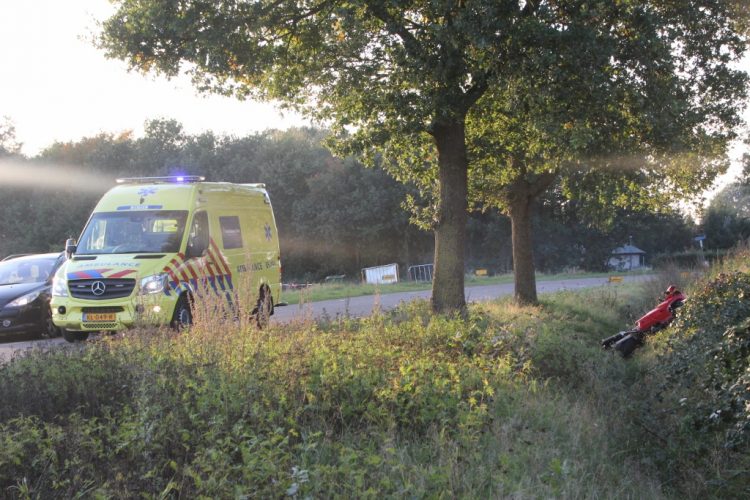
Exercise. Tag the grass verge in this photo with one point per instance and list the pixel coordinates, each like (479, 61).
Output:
(511, 401)
(330, 291)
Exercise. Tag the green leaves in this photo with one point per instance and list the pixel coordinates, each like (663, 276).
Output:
(541, 89)
(8, 144)
(727, 219)
(709, 357)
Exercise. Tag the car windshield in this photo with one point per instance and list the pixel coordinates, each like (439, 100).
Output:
(26, 270)
(152, 231)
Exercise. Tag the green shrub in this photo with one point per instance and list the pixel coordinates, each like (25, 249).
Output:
(698, 388)
(688, 259)
(509, 401)
(709, 356)
(62, 381)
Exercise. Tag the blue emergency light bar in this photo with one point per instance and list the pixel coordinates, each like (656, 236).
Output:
(174, 179)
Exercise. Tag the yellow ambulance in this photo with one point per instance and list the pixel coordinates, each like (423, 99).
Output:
(154, 246)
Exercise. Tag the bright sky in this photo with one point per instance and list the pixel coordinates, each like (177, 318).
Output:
(55, 86)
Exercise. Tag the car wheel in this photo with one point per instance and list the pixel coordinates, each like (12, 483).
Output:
(71, 336)
(264, 309)
(183, 314)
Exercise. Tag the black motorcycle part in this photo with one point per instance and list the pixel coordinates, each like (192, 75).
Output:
(628, 344)
(609, 341)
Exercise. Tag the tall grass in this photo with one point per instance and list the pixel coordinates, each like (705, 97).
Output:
(511, 401)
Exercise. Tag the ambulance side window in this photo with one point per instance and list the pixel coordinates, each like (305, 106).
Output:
(231, 234)
(198, 237)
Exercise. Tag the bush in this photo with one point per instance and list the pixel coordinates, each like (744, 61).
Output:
(692, 259)
(699, 387)
(508, 401)
(709, 359)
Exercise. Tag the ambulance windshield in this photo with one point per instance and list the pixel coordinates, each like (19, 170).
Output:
(151, 231)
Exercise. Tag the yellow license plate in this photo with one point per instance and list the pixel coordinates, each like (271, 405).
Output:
(99, 316)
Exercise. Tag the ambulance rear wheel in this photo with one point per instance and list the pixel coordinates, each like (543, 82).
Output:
(183, 315)
(71, 336)
(264, 309)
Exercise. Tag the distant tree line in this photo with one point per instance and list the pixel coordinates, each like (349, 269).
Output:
(727, 219)
(334, 216)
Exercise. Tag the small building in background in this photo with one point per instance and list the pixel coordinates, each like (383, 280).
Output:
(627, 258)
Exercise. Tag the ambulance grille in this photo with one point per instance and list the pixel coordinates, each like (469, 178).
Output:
(99, 326)
(113, 288)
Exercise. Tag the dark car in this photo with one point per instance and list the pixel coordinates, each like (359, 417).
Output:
(25, 283)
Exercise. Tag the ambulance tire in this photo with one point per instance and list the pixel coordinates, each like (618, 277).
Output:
(72, 337)
(183, 314)
(264, 309)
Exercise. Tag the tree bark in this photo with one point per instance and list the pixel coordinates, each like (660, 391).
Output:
(520, 198)
(524, 279)
(450, 230)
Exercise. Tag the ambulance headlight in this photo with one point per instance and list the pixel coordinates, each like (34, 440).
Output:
(155, 283)
(59, 287)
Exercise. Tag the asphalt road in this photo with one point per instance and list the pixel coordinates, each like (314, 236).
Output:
(7, 350)
(361, 306)
(364, 305)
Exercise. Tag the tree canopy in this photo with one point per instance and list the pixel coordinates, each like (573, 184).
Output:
(393, 74)
(727, 219)
(8, 144)
(334, 216)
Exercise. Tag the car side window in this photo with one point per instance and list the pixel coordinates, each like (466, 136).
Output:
(198, 237)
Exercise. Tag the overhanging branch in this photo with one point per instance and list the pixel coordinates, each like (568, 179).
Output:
(396, 27)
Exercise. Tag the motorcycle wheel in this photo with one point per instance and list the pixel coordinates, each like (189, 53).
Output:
(610, 341)
(627, 345)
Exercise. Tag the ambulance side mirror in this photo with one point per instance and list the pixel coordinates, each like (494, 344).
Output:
(70, 247)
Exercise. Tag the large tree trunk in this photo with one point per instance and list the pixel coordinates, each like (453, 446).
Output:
(450, 230)
(523, 253)
(520, 198)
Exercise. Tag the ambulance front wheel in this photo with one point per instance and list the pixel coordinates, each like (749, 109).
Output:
(183, 315)
(72, 336)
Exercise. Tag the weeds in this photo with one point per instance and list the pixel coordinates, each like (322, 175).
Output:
(507, 402)
(697, 389)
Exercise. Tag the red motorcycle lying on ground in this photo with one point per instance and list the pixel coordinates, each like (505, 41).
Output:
(656, 319)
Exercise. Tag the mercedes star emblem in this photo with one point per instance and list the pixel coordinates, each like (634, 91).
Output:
(97, 288)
